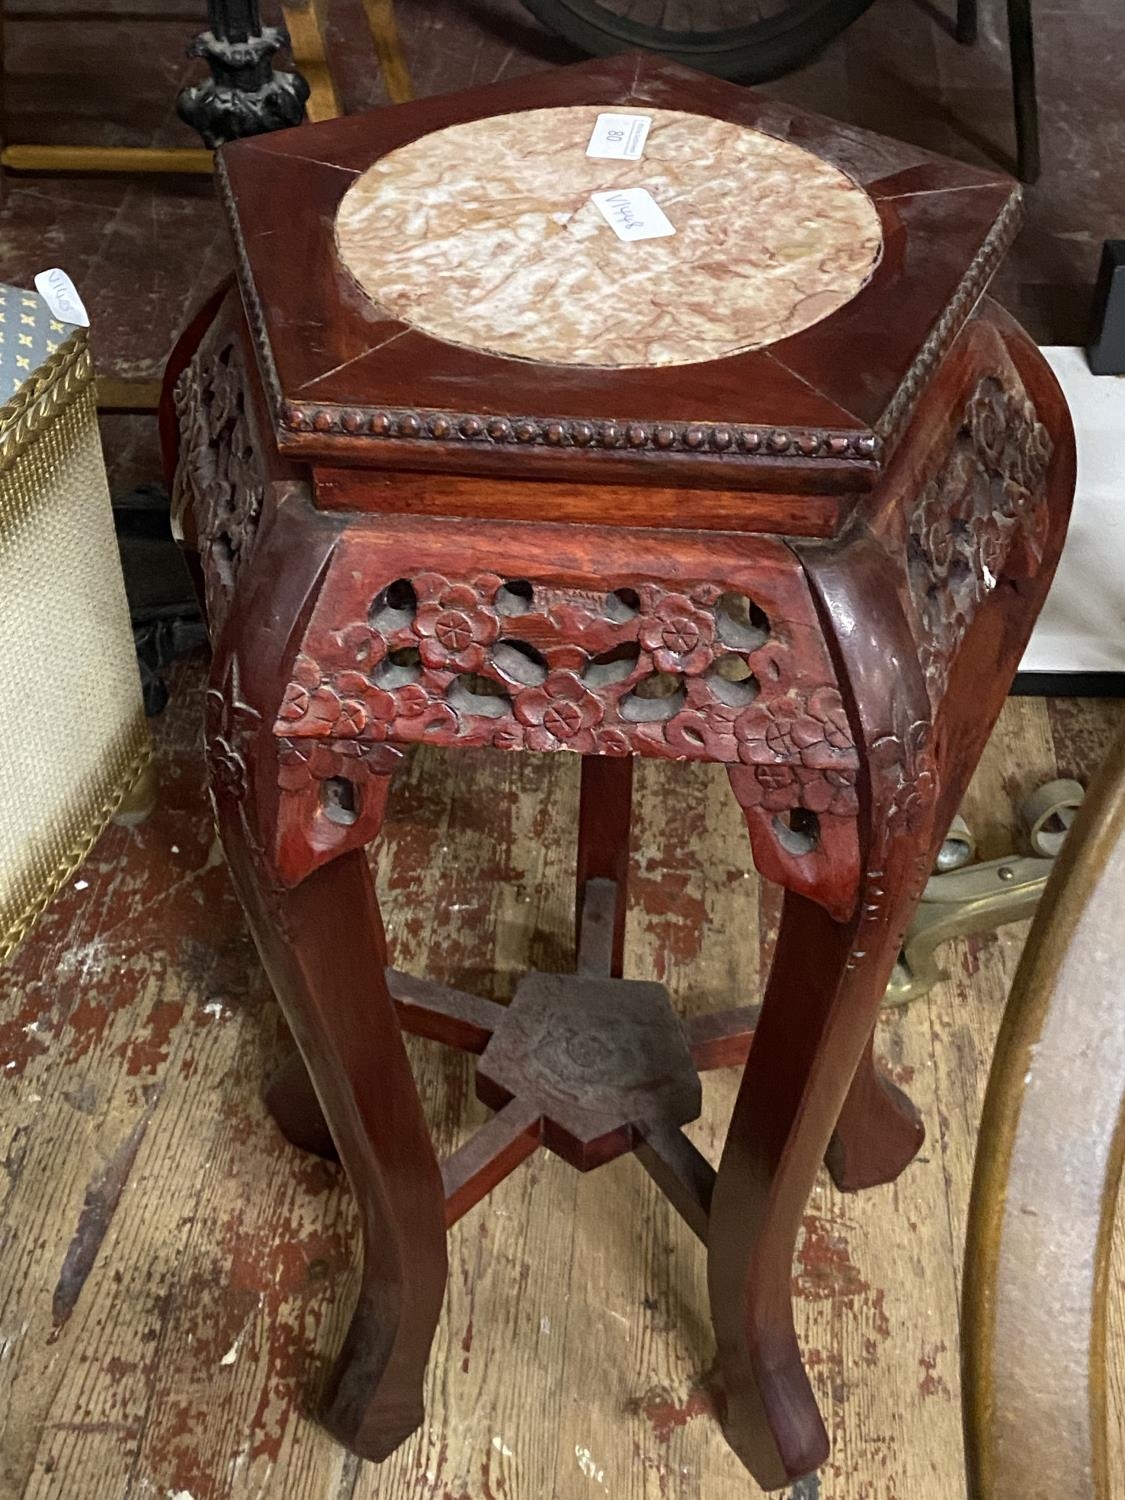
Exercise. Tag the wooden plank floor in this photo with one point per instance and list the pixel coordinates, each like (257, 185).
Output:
(174, 1278)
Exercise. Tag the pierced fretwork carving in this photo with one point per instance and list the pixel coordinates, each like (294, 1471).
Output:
(693, 673)
(983, 515)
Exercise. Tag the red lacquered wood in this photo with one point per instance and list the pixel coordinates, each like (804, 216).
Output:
(322, 945)
(816, 565)
(511, 1136)
(321, 940)
(351, 385)
(604, 808)
(442, 1014)
(879, 1130)
(722, 1038)
(819, 1010)
(577, 504)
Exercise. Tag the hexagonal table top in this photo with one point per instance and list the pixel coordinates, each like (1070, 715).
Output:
(489, 234)
(433, 286)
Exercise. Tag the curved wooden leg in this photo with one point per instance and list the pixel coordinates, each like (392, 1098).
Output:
(820, 1005)
(879, 1132)
(291, 1100)
(817, 1020)
(322, 944)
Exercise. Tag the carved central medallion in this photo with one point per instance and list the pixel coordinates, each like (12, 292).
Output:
(486, 234)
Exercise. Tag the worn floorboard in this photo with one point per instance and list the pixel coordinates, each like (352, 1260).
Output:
(174, 1277)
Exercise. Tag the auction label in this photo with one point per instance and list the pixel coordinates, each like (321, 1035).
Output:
(620, 137)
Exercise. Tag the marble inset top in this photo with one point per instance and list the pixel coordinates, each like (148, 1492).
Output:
(484, 234)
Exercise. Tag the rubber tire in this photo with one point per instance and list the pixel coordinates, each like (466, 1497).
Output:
(751, 54)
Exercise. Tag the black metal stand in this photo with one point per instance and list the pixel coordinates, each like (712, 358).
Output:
(1105, 352)
(1021, 46)
(1021, 43)
(243, 96)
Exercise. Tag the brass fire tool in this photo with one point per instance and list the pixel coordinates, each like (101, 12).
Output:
(962, 897)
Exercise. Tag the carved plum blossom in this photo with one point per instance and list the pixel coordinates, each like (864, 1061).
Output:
(801, 748)
(303, 762)
(509, 737)
(775, 787)
(309, 705)
(455, 630)
(692, 731)
(831, 790)
(904, 759)
(228, 769)
(983, 516)
(1007, 434)
(560, 713)
(356, 648)
(232, 725)
(364, 708)
(593, 650)
(347, 706)
(679, 635)
(612, 741)
(218, 478)
(812, 730)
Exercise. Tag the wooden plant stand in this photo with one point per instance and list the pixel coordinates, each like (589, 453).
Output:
(783, 492)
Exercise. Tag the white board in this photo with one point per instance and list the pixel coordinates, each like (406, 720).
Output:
(1082, 627)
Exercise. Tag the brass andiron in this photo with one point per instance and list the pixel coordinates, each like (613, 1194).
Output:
(961, 897)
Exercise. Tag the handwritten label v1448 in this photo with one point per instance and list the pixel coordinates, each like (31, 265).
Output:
(633, 214)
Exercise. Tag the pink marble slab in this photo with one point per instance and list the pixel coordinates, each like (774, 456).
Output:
(484, 234)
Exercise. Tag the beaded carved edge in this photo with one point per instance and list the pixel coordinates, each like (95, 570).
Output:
(49, 388)
(955, 315)
(490, 430)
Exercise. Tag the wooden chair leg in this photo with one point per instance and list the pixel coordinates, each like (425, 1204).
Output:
(323, 947)
(1021, 44)
(604, 813)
